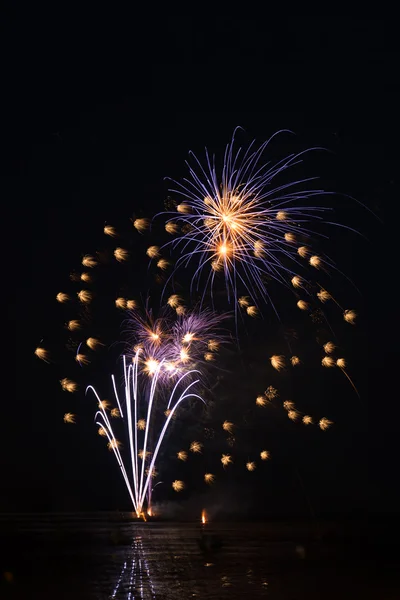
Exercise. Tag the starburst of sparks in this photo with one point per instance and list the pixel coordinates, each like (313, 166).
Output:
(178, 485)
(68, 385)
(209, 478)
(69, 418)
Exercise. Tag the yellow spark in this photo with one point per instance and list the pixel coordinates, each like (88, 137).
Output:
(182, 455)
(85, 296)
(115, 413)
(142, 455)
(153, 251)
(86, 277)
(325, 423)
(151, 366)
(307, 420)
(180, 311)
(209, 356)
(328, 361)
(259, 250)
(113, 444)
(209, 478)
(303, 305)
(121, 254)
(120, 302)
(89, 261)
(171, 227)
(228, 426)
(329, 347)
(188, 337)
(293, 415)
(278, 362)
(261, 401)
(174, 301)
(42, 353)
(271, 392)
(208, 201)
(288, 405)
(101, 431)
(167, 412)
(111, 231)
(244, 301)
(226, 459)
(212, 345)
(141, 224)
(73, 324)
(131, 304)
(82, 359)
(297, 281)
(104, 404)
(303, 251)
(141, 424)
(184, 355)
(178, 485)
(216, 265)
(281, 215)
(169, 367)
(93, 343)
(153, 474)
(61, 297)
(250, 466)
(252, 311)
(68, 385)
(210, 223)
(315, 261)
(224, 249)
(69, 418)
(196, 447)
(154, 336)
(183, 208)
(295, 360)
(290, 237)
(265, 455)
(163, 264)
(350, 316)
(323, 295)
(341, 363)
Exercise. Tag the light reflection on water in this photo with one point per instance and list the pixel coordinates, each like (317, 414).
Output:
(99, 558)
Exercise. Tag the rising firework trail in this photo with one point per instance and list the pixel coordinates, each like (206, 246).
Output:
(142, 461)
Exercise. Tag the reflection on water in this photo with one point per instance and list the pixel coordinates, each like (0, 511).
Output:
(98, 557)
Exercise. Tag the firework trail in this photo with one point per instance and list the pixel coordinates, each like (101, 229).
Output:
(138, 478)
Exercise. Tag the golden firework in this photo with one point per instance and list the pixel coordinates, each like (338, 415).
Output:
(42, 353)
(142, 455)
(188, 337)
(82, 359)
(93, 343)
(196, 447)
(295, 361)
(217, 265)
(101, 431)
(85, 296)
(293, 415)
(259, 250)
(350, 316)
(89, 261)
(278, 362)
(69, 418)
(228, 426)
(141, 424)
(265, 454)
(183, 208)
(212, 345)
(73, 325)
(68, 385)
(171, 227)
(341, 363)
(226, 459)
(151, 366)
(153, 251)
(184, 355)
(209, 356)
(328, 361)
(252, 311)
(297, 281)
(154, 474)
(178, 485)
(86, 277)
(325, 423)
(115, 413)
(307, 420)
(323, 295)
(182, 455)
(111, 231)
(261, 401)
(244, 301)
(113, 444)
(180, 311)
(281, 215)
(163, 264)
(288, 405)
(251, 466)
(303, 251)
(209, 478)
(141, 224)
(121, 254)
(271, 392)
(303, 305)
(329, 347)
(315, 261)
(167, 412)
(120, 303)
(104, 404)
(61, 297)
(290, 237)
(174, 301)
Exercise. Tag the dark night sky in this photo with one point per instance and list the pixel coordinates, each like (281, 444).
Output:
(100, 114)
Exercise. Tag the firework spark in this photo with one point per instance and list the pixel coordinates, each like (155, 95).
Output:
(121, 254)
(278, 362)
(141, 224)
(42, 353)
(261, 401)
(111, 231)
(89, 261)
(93, 343)
(209, 478)
(153, 251)
(68, 385)
(350, 316)
(303, 305)
(323, 295)
(69, 418)
(329, 347)
(182, 455)
(226, 460)
(115, 413)
(121, 303)
(85, 296)
(265, 455)
(295, 361)
(74, 324)
(307, 420)
(251, 466)
(325, 423)
(271, 392)
(178, 485)
(196, 447)
(228, 426)
(328, 361)
(61, 297)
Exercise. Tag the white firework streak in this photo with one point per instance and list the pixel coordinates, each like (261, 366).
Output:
(138, 484)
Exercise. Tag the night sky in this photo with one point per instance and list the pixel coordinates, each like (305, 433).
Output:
(101, 113)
